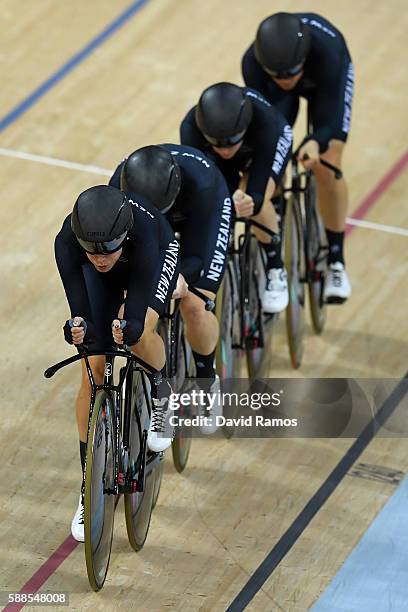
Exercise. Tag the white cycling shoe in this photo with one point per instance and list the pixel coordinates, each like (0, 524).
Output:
(337, 287)
(276, 295)
(161, 433)
(210, 413)
(77, 525)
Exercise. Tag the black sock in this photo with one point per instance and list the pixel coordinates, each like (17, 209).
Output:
(82, 452)
(204, 365)
(273, 252)
(336, 241)
(162, 389)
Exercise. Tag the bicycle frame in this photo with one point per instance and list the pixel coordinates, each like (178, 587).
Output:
(240, 257)
(122, 481)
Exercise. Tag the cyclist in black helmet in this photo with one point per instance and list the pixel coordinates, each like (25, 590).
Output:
(303, 54)
(110, 245)
(238, 129)
(192, 194)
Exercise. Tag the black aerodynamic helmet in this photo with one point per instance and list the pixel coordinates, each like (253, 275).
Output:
(282, 44)
(101, 219)
(153, 173)
(223, 114)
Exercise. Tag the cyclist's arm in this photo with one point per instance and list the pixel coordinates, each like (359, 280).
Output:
(269, 164)
(152, 277)
(206, 233)
(329, 101)
(69, 264)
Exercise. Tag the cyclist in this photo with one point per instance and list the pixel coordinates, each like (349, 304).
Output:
(303, 54)
(110, 244)
(244, 134)
(192, 194)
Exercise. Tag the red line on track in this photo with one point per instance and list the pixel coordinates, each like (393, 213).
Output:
(66, 548)
(44, 572)
(378, 190)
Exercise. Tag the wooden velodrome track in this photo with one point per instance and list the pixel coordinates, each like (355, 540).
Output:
(214, 525)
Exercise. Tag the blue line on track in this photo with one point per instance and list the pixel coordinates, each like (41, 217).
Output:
(295, 530)
(72, 63)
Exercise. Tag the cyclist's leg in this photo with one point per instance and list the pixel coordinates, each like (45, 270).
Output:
(205, 238)
(201, 326)
(97, 364)
(150, 346)
(266, 215)
(332, 193)
(275, 297)
(202, 331)
(334, 114)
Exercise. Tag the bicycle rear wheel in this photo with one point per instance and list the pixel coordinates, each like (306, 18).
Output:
(157, 482)
(181, 444)
(294, 263)
(139, 503)
(99, 505)
(316, 249)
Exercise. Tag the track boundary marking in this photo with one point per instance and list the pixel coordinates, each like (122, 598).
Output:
(57, 76)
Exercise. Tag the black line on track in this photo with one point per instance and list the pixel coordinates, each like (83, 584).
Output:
(293, 533)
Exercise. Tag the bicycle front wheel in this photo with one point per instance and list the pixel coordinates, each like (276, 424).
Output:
(99, 478)
(181, 444)
(294, 263)
(316, 250)
(229, 355)
(258, 351)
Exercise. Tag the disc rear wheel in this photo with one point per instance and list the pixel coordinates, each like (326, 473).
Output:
(294, 263)
(139, 503)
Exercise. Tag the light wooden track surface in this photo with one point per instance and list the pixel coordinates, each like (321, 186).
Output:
(214, 525)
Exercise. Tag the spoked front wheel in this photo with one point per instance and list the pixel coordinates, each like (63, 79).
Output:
(294, 263)
(258, 328)
(99, 478)
(230, 357)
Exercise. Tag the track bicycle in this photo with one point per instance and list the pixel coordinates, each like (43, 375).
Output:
(181, 372)
(245, 328)
(117, 460)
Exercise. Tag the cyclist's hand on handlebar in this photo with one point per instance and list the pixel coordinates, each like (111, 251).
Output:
(75, 330)
(127, 331)
(244, 204)
(181, 289)
(309, 154)
(117, 331)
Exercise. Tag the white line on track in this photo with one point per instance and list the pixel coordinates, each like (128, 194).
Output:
(52, 161)
(62, 163)
(390, 229)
